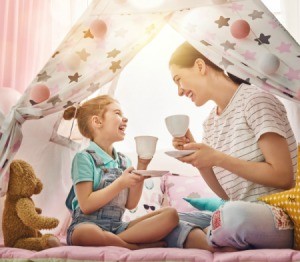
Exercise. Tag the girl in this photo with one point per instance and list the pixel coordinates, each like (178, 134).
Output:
(248, 150)
(105, 186)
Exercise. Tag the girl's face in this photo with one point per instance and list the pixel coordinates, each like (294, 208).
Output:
(191, 82)
(113, 123)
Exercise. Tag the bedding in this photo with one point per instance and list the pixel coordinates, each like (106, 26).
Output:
(75, 253)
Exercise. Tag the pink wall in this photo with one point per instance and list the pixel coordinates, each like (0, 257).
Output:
(24, 45)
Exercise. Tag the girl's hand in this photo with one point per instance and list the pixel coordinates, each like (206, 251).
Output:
(179, 142)
(128, 179)
(205, 156)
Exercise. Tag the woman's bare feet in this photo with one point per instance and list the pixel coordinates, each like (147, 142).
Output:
(152, 245)
(224, 249)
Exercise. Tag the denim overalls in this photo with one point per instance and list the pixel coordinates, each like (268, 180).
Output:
(109, 217)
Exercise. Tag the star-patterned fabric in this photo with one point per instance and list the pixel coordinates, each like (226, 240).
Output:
(289, 201)
(84, 62)
(208, 28)
(80, 66)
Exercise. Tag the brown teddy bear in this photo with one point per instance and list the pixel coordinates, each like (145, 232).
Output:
(21, 220)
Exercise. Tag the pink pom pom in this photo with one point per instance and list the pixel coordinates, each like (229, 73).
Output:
(39, 93)
(240, 29)
(98, 28)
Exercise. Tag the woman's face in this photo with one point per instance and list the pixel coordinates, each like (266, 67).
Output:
(191, 83)
(114, 123)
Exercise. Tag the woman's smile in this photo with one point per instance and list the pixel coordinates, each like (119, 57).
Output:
(190, 95)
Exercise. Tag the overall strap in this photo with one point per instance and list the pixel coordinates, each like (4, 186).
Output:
(98, 163)
(97, 159)
(123, 161)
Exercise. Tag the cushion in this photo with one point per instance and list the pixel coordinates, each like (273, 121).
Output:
(176, 187)
(206, 203)
(289, 201)
(151, 199)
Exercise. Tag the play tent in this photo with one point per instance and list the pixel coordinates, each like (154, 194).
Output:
(241, 36)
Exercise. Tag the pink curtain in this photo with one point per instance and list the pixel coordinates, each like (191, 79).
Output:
(25, 31)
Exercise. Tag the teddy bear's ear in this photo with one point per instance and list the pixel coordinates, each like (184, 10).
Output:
(16, 167)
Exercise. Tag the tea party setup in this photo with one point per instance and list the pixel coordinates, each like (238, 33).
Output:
(243, 37)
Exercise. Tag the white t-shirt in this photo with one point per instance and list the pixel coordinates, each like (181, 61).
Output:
(250, 113)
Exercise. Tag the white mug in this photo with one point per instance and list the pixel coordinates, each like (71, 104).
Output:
(177, 124)
(145, 146)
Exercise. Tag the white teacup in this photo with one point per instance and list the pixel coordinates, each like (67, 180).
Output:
(145, 146)
(177, 124)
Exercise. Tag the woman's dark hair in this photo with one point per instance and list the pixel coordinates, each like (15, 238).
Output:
(185, 56)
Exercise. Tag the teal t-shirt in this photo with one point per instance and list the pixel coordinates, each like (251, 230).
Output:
(84, 168)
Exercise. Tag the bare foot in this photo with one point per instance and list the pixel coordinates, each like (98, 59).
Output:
(146, 245)
(53, 242)
(224, 249)
(152, 245)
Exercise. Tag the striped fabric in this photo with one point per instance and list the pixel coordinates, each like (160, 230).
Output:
(250, 113)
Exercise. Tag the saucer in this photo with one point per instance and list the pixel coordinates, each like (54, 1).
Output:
(152, 173)
(179, 153)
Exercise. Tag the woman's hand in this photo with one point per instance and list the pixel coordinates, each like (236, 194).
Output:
(204, 157)
(143, 163)
(179, 142)
(128, 179)
(276, 171)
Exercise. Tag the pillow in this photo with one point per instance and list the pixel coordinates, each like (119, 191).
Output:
(206, 203)
(289, 201)
(176, 187)
(151, 200)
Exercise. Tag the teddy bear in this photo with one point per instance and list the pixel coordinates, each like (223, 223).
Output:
(21, 219)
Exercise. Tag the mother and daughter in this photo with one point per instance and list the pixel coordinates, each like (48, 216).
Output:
(248, 150)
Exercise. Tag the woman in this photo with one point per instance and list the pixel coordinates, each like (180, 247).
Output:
(248, 150)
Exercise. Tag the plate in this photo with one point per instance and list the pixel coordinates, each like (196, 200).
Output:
(179, 153)
(150, 172)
